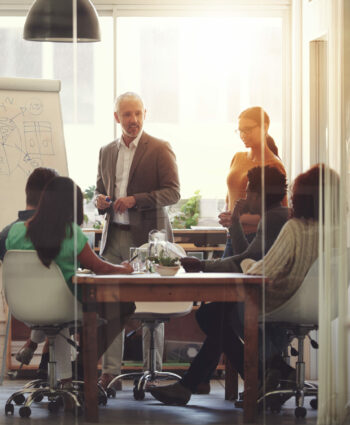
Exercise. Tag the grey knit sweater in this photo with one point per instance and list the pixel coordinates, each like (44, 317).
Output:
(288, 260)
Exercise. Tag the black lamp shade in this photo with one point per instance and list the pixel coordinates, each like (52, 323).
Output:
(52, 20)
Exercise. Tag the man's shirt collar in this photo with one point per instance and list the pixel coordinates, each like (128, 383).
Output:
(133, 144)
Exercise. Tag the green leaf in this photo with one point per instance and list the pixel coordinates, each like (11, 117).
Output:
(189, 213)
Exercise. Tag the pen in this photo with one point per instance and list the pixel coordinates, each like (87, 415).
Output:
(133, 258)
(108, 199)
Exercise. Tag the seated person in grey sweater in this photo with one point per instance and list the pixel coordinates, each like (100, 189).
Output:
(285, 265)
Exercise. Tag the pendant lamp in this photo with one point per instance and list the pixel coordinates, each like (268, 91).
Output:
(52, 20)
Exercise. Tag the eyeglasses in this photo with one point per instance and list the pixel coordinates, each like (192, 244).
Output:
(245, 130)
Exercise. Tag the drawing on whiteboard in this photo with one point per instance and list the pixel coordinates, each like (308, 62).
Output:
(25, 142)
(38, 137)
(34, 106)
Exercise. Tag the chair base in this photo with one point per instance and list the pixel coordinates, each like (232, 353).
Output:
(275, 399)
(140, 381)
(36, 391)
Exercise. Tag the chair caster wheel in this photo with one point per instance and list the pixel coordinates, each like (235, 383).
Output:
(25, 412)
(139, 394)
(38, 398)
(53, 406)
(300, 412)
(19, 399)
(111, 392)
(314, 403)
(9, 409)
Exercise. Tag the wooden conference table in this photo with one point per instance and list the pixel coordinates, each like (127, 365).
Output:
(181, 287)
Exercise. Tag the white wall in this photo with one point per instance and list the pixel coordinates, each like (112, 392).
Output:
(324, 20)
(314, 27)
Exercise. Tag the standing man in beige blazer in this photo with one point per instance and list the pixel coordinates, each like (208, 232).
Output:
(137, 178)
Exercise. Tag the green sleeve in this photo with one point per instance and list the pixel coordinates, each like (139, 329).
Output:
(81, 238)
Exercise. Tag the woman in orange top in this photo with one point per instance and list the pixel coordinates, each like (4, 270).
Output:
(253, 125)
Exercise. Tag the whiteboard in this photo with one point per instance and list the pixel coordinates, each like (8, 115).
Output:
(31, 136)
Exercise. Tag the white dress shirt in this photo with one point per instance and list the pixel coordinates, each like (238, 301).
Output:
(124, 161)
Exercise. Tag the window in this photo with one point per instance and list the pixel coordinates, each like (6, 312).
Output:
(196, 75)
(88, 120)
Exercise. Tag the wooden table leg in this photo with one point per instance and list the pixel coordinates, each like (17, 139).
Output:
(250, 356)
(90, 364)
(231, 381)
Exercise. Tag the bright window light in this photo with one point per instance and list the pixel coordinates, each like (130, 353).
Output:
(196, 75)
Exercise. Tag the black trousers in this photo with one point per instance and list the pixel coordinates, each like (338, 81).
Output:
(223, 323)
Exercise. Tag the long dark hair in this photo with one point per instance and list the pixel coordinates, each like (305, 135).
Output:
(53, 219)
(308, 187)
(255, 113)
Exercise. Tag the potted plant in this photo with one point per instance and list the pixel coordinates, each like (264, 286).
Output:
(165, 265)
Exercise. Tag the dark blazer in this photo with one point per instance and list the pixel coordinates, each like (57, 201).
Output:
(153, 181)
(23, 215)
(275, 219)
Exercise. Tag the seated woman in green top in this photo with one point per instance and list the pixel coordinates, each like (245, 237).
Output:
(55, 234)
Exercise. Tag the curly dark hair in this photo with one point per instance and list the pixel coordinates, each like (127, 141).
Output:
(275, 183)
(54, 217)
(308, 187)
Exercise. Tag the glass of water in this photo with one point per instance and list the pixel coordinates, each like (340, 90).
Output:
(142, 258)
(134, 258)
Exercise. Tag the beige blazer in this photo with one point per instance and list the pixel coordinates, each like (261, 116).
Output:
(153, 181)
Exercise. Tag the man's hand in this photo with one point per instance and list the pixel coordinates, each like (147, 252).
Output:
(225, 218)
(122, 204)
(101, 202)
(191, 264)
(240, 208)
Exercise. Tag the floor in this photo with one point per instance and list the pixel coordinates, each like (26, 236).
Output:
(124, 410)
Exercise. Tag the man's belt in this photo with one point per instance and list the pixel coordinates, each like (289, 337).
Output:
(121, 226)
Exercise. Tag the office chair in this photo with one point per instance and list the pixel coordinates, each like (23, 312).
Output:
(151, 314)
(299, 315)
(39, 297)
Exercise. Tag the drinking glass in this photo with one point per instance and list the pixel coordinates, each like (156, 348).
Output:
(142, 259)
(134, 261)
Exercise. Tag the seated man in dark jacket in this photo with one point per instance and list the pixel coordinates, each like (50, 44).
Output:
(223, 322)
(275, 216)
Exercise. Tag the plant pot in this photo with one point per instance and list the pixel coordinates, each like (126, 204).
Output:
(166, 270)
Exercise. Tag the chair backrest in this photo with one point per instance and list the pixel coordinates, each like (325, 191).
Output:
(36, 294)
(302, 306)
(162, 309)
